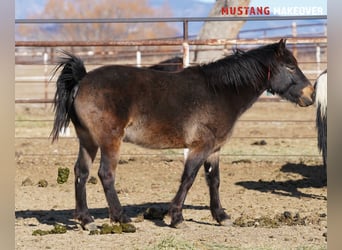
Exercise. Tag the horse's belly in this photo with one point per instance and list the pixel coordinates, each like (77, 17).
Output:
(161, 138)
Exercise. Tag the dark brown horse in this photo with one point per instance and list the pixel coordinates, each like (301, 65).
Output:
(195, 108)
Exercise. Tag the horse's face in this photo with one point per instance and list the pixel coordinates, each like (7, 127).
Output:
(288, 81)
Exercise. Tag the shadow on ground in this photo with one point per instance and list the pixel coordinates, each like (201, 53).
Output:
(65, 217)
(313, 177)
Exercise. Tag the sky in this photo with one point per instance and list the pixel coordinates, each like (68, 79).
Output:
(182, 7)
(191, 8)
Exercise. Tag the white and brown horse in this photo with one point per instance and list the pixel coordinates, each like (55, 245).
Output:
(321, 114)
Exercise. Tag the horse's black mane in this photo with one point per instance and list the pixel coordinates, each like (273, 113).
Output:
(241, 68)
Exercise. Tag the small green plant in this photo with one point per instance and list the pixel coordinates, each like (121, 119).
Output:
(114, 229)
(63, 175)
(57, 229)
(174, 244)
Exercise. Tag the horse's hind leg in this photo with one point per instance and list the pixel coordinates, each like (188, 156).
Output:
(212, 174)
(86, 155)
(109, 160)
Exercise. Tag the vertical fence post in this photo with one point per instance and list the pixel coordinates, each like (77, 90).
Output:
(186, 62)
(294, 34)
(52, 58)
(138, 56)
(318, 59)
(186, 54)
(186, 49)
(45, 59)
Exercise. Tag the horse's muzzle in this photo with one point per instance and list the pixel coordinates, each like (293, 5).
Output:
(307, 97)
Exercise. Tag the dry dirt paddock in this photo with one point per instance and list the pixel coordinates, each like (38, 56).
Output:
(272, 185)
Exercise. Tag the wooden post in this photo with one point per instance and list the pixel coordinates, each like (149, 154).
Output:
(294, 34)
(318, 59)
(45, 59)
(186, 54)
(138, 56)
(186, 62)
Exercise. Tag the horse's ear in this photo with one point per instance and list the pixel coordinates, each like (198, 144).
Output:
(281, 46)
(282, 43)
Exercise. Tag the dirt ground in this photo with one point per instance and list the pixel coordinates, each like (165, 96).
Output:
(275, 202)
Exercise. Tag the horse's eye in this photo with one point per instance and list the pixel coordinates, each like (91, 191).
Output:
(291, 68)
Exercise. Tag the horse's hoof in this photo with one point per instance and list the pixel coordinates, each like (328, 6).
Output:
(179, 225)
(84, 218)
(90, 227)
(226, 223)
(123, 219)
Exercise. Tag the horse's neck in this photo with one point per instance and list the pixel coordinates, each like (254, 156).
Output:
(244, 98)
(242, 89)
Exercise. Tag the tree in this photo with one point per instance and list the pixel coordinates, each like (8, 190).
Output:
(218, 30)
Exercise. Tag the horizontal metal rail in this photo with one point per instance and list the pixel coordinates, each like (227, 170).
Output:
(233, 137)
(240, 120)
(167, 19)
(181, 155)
(172, 42)
(28, 100)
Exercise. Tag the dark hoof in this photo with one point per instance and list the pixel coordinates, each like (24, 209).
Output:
(177, 221)
(84, 218)
(125, 219)
(90, 226)
(122, 219)
(180, 225)
(176, 218)
(222, 218)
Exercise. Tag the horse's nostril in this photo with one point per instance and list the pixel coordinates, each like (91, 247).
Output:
(308, 92)
(305, 101)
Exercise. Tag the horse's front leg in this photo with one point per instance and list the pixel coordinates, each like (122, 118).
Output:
(192, 164)
(106, 173)
(212, 174)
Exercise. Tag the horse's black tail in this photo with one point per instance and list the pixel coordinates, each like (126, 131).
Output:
(321, 124)
(73, 71)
